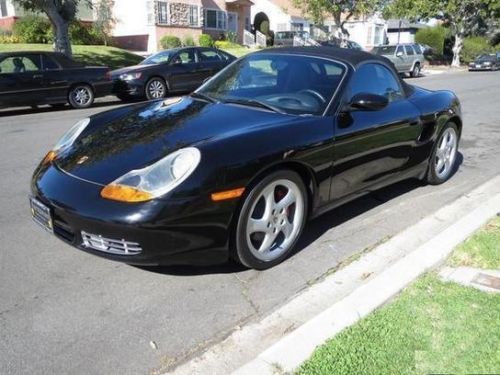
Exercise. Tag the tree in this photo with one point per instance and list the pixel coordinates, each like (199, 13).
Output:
(60, 13)
(463, 17)
(340, 10)
(104, 19)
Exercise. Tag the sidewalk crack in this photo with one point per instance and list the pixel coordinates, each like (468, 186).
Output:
(244, 292)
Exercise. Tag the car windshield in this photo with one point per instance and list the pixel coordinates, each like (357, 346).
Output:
(385, 50)
(282, 83)
(158, 58)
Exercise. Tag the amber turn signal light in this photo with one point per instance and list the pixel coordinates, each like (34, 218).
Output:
(124, 193)
(50, 157)
(229, 194)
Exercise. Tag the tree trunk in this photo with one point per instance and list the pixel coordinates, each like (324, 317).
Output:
(457, 48)
(61, 30)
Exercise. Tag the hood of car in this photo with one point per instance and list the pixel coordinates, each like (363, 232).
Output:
(129, 138)
(131, 69)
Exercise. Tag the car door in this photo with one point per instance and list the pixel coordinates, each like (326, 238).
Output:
(21, 80)
(371, 147)
(400, 59)
(410, 57)
(184, 73)
(55, 79)
(210, 62)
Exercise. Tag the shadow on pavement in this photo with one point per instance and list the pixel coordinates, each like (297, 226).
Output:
(18, 111)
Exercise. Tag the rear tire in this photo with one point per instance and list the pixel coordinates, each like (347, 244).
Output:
(81, 96)
(444, 155)
(416, 71)
(271, 220)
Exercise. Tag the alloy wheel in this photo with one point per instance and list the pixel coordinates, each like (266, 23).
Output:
(81, 96)
(275, 220)
(446, 153)
(156, 89)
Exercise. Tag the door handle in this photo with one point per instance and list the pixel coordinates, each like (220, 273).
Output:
(37, 76)
(414, 121)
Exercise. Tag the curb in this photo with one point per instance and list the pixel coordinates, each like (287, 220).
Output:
(288, 336)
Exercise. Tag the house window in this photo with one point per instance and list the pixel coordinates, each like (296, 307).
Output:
(3, 8)
(163, 18)
(194, 18)
(297, 26)
(215, 19)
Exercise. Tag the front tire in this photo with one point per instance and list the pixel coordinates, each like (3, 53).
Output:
(416, 71)
(271, 220)
(444, 155)
(156, 88)
(81, 96)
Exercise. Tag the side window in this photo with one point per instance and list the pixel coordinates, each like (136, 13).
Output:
(209, 56)
(409, 50)
(49, 63)
(375, 79)
(21, 64)
(400, 50)
(184, 57)
(418, 49)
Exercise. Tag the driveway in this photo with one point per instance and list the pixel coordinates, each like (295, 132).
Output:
(63, 311)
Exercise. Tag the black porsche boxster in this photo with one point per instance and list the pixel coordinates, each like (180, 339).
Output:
(235, 169)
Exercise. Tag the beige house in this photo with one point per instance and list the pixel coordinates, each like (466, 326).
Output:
(141, 24)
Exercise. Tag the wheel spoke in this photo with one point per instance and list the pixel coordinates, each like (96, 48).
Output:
(257, 225)
(287, 201)
(287, 229)
(268, 242)
(439, 165)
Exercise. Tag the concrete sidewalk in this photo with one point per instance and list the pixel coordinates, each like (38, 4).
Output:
(287, 337)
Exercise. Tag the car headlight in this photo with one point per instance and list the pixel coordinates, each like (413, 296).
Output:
(130, 76)
(155, 180)
(487, 63)
(67, 140)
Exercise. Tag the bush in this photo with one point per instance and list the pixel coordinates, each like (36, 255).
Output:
(205, 40)
(4, 32)
(232, 37)
(188, 41)
(226, 44)
(33, 29)
(170, 41)
(474, 46)
(82, 34)
(6, 39)
(434, 37)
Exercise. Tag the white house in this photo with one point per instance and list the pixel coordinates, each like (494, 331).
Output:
(281, 14)
(402, 31)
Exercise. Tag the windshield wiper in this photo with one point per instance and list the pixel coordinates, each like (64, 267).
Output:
(202, 96)
(253, 103)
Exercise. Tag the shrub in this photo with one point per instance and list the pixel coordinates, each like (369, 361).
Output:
(84, 35)
(33, 29)
(226, 44)
(170, 41)
(231, 36)
(9, 39)
(188, 41)
(434, 37)
(205, 40)
(4, 32)
(474, 46)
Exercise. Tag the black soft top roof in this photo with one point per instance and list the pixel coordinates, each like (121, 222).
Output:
(350, 56)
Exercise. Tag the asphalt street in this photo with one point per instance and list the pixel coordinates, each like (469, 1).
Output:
(65, 312)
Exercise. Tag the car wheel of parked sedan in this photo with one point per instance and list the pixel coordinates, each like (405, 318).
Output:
(271, 220)
(416, 71)
(81, 96)
(444, 155)
(156, 89)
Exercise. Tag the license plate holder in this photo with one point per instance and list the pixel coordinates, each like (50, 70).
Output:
(41, 215)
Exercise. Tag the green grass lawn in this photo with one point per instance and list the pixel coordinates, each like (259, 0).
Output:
(433, 327)
(482, 250)
(92, 55)
(239, 51)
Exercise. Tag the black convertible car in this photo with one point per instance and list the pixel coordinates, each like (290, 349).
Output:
(32, 78)
(235, 169)
(170, 71)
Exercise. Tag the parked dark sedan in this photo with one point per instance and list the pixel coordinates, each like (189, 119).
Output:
(236, 168)
(32, 78)
(486, 61)
(174, 70)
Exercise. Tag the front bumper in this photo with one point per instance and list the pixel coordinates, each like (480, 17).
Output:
(168, 232)
(133, 88)
(482, 67)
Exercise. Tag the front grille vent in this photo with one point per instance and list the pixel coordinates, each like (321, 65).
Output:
(108, 245)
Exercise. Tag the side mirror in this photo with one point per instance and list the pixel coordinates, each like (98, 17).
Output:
(368, 102)
(399, 54)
